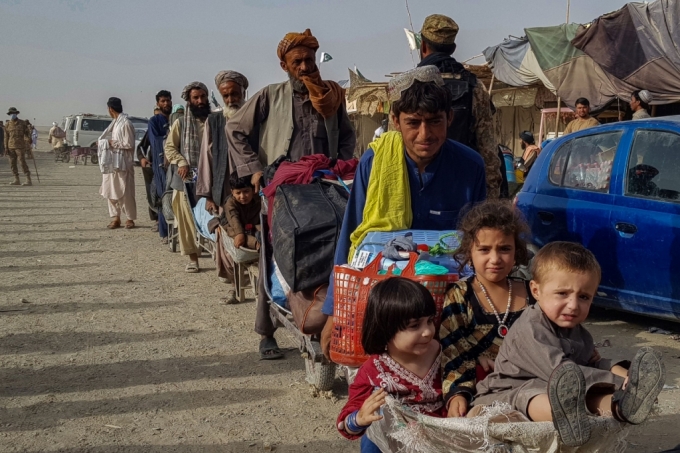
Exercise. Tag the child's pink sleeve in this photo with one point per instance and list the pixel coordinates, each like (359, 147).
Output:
(359, 392)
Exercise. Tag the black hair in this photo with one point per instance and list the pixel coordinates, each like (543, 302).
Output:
(496, 215)
(448, 49)
(582, 101)
(115, 104)
(636, 95)
(163, 94)
(423, 97)
(240, 183)
(392, 304)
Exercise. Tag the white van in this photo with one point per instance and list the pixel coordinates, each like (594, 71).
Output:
(83, 130)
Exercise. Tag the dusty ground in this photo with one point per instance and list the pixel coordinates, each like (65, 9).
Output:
(106, 345)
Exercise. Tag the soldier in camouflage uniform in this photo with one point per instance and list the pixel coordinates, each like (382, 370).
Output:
(472, 109)
(17, 144)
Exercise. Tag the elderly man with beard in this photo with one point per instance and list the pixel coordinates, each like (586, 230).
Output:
(183, 148)
(214, 167)
(302, 116)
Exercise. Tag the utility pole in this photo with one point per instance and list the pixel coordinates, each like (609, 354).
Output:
(559, 100)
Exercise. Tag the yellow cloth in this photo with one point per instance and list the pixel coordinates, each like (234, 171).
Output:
(388, 196)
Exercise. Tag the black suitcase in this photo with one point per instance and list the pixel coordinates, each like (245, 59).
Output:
(306, 224)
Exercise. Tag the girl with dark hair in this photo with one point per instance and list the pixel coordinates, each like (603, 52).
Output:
(479, 310)
(399, 333)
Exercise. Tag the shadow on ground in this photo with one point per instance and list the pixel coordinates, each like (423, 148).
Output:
(20, 381)
(49, 414)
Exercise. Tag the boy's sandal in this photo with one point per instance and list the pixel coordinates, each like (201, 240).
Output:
(567, 395)
(129, 225)
(113, 225)
(269, 349)
(646, 377)
(192, 268)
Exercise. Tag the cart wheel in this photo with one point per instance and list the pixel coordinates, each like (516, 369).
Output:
(320, 375)
(94, 159)
(66, 158)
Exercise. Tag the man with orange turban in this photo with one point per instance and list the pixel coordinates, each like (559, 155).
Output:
(302, 116)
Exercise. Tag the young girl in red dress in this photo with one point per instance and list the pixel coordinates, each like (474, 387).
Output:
(399, 333)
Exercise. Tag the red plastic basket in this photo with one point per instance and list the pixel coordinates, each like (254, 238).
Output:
(352, 287)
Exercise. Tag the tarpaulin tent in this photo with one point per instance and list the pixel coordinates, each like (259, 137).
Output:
(636, 47)
(573, 73)
(514, 62)
(639, 45)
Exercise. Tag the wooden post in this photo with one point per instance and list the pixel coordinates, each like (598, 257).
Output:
(493, 77)
(557, 115)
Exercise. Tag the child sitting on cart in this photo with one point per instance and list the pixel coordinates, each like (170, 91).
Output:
(242, 212)
(399, 333)
(479, 310)
(548, 368)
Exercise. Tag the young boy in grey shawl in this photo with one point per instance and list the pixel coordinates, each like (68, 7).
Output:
(548, 367)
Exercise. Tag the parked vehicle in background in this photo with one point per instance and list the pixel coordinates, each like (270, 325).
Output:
(83, 130)
(615, 189)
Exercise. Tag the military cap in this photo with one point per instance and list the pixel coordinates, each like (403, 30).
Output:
(439, 29)
(13, 111)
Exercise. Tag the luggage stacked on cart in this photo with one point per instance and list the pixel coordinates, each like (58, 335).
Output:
(306, 224)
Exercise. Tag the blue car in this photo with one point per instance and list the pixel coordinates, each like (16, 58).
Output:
(615, 189)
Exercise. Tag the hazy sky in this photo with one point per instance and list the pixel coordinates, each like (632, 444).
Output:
(59, 57)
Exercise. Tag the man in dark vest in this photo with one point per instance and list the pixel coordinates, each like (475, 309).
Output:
(472, 123)
(302, 116)
(214, 166)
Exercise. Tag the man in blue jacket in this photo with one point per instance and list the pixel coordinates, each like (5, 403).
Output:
(441, 176)
(157, 133)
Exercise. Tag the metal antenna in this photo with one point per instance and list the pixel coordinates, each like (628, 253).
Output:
(410, 21)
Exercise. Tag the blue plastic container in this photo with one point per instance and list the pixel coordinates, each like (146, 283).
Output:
(510, 167)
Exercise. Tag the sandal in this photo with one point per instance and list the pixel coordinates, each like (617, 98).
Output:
(113, 225)
(129, 225)
(269, 349)
(567, 395)
(192, 268)
(230, 299)
(164, 240)
(647, 375)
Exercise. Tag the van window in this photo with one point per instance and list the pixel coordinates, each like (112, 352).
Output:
(93, 125)
(589, 166)
(72, 126)
(654, 166)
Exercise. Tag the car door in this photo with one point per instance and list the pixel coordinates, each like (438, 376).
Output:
(573, 201)
(72, 124)
(646, 223)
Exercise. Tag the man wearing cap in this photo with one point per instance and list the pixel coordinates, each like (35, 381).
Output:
(183, 149)
(17, 143)
(214, 167)
(118, 172)
(413, 177)
(639, 104)
(472, 123)
(583, 119)
(56, 136)
(301, 116)
(531, 152)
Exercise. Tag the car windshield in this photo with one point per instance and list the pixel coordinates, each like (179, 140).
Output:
(139, 133)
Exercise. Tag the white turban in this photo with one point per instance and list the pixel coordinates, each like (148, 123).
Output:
(645, 96)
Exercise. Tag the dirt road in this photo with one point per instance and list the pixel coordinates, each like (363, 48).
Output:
(106, 345)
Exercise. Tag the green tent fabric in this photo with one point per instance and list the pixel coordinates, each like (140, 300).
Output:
(573, 73)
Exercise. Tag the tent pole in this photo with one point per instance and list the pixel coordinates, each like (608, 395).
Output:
(557, 116)
(493, 77)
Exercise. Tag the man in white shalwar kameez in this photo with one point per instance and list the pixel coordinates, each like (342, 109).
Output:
(117, 165)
